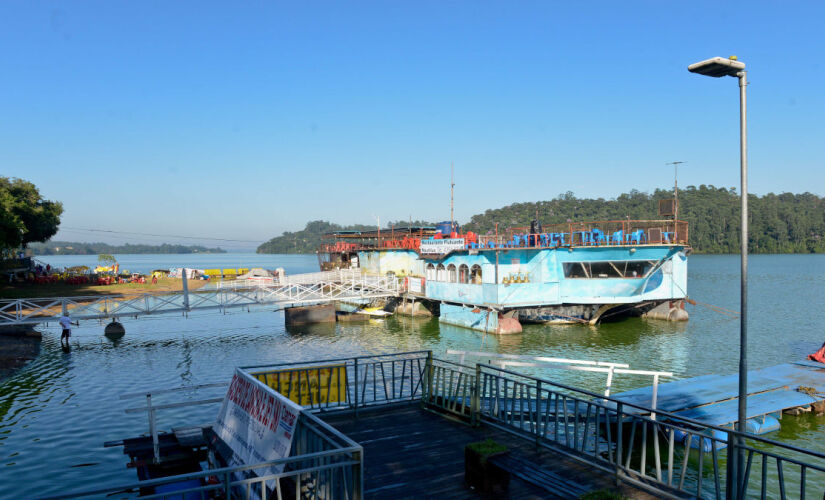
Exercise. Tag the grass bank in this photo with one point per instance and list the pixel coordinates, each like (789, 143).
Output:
(33, 291)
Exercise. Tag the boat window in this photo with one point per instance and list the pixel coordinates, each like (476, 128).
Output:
(441, 274)
(475, 275)
(608, 269)
(451, 274)
(463, 273)
(430, 272)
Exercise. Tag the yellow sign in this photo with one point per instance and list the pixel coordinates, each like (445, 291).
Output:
(309, 386)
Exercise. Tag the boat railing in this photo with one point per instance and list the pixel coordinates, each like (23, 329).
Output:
(572, 234)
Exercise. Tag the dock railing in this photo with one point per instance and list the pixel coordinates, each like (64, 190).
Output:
(663, 453)
(344, 384)
(669, 455)
(322, 463)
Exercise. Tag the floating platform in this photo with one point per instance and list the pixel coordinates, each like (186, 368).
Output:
(714, 399)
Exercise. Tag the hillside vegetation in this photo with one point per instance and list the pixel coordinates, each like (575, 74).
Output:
(76, 248)
(783, 223)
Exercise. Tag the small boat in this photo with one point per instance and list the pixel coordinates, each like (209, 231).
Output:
(373, 311)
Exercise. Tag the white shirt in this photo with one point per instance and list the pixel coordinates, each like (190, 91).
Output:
(65, 322)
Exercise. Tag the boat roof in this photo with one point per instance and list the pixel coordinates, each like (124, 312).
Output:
(373, 233)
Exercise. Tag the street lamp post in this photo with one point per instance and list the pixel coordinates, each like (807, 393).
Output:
(719, 67)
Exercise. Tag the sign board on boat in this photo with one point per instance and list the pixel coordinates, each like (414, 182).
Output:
(442, 246)
(256, 423)
(416, 285)
(309, 386)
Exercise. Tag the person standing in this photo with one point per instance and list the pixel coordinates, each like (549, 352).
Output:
(66, 323)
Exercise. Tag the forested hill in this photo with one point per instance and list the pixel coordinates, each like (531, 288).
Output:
(309, 239)
(783, 223)
(75, 248)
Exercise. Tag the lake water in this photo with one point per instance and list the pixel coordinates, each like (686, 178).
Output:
(56, 413)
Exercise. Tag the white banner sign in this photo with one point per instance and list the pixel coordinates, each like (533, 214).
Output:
(257, 423)
(441, 246)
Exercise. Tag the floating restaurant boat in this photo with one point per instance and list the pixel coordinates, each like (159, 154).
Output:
(579, 272)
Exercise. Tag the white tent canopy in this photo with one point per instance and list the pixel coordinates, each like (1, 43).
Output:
(256, 273)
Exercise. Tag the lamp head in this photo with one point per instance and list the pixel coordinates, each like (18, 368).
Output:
(718, 67)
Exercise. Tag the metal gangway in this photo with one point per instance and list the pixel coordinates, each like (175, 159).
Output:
(309, 289)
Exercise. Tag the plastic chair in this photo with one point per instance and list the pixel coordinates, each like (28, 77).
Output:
(617, 238)
(597, 236)
(545, 240)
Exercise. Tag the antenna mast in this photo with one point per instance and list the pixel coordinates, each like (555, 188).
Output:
(452, 200)
(675, 188)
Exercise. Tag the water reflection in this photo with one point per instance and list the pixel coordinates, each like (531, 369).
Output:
(70, 401)
(319, 330)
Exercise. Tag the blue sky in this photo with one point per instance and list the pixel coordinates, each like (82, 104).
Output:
(242, 120)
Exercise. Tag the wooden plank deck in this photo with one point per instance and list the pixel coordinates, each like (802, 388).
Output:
(413, 453)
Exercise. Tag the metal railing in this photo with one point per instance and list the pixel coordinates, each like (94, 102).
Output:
(368, 380)
(323, 463)
(607, 367)
(668, 455)
(572, 234)
(316, 290)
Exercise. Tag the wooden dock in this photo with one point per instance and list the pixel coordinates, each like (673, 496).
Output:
(410, 452)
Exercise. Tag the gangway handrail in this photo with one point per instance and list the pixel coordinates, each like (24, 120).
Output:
(610, 372)
(610, 368)
(545, 359)
(345, 286)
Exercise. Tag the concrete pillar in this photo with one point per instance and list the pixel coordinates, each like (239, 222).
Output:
(671, 310)
(324, 313)
(480, 319)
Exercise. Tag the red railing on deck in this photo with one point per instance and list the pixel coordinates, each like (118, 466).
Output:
(572, 234)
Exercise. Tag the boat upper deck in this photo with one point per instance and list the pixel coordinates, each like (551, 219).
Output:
(428, 241)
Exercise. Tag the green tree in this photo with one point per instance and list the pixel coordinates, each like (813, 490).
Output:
(106, 259)
(25, 216)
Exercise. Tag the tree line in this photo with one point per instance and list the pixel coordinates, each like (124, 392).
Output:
(76, 248)
(778, 223)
